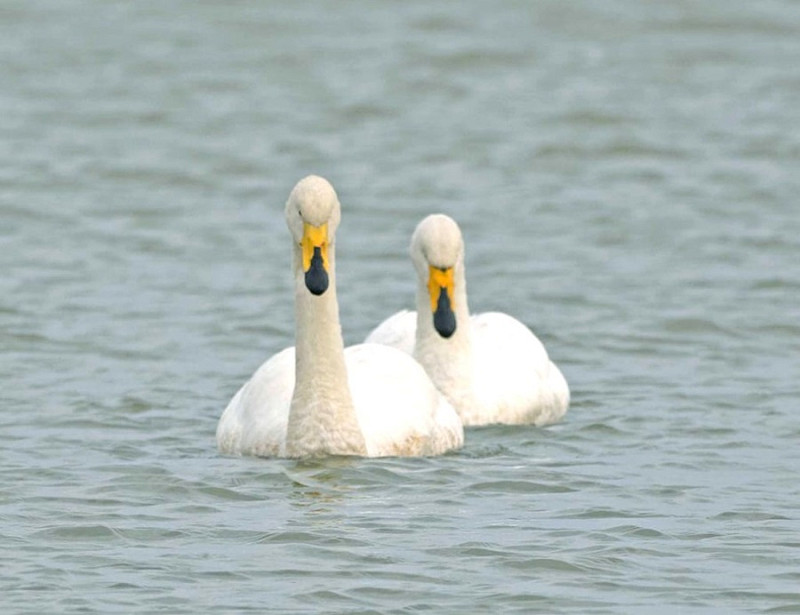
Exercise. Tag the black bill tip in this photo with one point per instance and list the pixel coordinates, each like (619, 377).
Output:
(316, 276)
(444, 319)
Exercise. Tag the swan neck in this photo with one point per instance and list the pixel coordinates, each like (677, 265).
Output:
(448, 362)
(432, 350)
(322, 417)
(318, 336)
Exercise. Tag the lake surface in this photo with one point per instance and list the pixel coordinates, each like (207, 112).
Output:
(626, 175)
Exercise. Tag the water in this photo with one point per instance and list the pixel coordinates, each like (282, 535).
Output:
(626, 177)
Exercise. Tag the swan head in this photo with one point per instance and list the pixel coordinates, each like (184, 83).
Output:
(312, 215)
(437, 249)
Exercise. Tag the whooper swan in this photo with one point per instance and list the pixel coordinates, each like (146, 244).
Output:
(490, 366)
(319, 399)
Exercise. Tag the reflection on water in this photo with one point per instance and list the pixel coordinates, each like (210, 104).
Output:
(320, 485)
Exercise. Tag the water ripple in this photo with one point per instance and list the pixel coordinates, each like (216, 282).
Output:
(626, 185)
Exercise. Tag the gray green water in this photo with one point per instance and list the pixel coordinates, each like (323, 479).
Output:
(626, 175)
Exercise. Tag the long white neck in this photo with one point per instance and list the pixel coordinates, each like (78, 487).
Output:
(448, 361)
(322, 419)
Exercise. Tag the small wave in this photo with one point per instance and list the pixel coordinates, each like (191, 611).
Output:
(695, 325)
(518, 486)
(78, 532)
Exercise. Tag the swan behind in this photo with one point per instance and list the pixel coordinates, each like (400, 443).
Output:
(490, 366)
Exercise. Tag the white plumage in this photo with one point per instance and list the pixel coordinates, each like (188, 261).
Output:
(319, 399)
(490, 366)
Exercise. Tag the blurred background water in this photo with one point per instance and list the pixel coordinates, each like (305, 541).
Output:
(626, 176)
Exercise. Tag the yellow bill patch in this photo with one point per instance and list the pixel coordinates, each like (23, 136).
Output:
(438, 280)
(314, 237)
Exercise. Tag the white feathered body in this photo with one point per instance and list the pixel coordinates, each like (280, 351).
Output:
(398, 410)
(498, 373)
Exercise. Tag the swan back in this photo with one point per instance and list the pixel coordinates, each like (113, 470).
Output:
(400, 411)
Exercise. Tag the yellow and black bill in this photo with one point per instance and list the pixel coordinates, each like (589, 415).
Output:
(440, 287)
(314, 247)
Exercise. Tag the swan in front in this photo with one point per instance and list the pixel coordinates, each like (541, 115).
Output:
(490, 366)
(316, 398)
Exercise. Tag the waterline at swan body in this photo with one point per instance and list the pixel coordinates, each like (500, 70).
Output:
(490, 366)
(317, 398)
